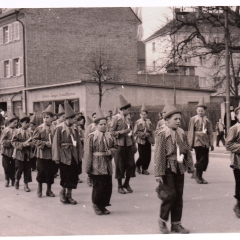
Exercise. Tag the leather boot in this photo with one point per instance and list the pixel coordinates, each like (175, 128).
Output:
(49, 192)
(163, 227)
(236, 209)
(39, 190)
(62, 195)
(17, 184)
(13, 182)
(26, 188)
(97, 210)
(70, 199)
(178, 228)
(7, 182)
(197, 178)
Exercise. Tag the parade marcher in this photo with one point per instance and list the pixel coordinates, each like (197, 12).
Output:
(42, 137)
(121, 130)
(143, 131)
(99, 148)
(233, 145)
(200, 137)
(21, 153)
(8, 162)
(161, 122)
(32, 127)
(66, 151)
(220, 132)
(172, 158)
(91, 127)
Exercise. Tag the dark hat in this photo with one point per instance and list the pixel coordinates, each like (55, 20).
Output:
(68, 110)
(170, 110)
(202, 103)
(123, 103)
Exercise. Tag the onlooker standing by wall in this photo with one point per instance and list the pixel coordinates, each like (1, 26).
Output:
(220, 132)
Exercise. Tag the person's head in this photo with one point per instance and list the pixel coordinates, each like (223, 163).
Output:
(201, 111)
(13, 123)
(231, 108)
(54, 117)
(71, 120)
(61, 118)
(25, 123)
(101, 125)
(108, 118)
(220, 120)
(143, 115)
(47, 118)
(94, 116)
(125, 111)
(32, 126)
(173, 121)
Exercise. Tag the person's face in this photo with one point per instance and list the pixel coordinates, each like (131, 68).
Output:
(62, 118)
(143, 115)
(231, 108)
(102, 125)
(47, 119)
(13, 124)
(201, 111)
(126, 111)
(174, 121)
(32, 126)
(25, 125)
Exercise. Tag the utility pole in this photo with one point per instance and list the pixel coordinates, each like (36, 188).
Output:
(227, 71)
(174, 61)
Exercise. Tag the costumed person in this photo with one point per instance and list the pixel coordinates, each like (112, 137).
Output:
(99, 148)
(32, 127)
(161, 122)
(143, 131)
(220, 132)
(42, 138)
(21, 142)
(233, 145)
(121, 130)
(66, 151)
(8, 162)
(200, 137)
(91, 127)
(172, 158)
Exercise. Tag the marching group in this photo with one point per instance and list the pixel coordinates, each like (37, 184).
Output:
(64, 143)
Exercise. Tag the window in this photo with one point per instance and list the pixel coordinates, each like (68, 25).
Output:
(202, 60)
(202, 82)
(153, 46)
(6, 69)
(154, 65)
(16, 67)
(216, 62)
(188, 60)
(5, 34)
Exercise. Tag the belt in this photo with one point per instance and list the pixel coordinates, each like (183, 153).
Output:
(66, 144)
(99, 154)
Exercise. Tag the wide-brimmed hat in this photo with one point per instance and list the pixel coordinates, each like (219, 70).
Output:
(68, 110)
(202, 103)
(123, 103)
(170, 110)
(99, 114)
(49, 110)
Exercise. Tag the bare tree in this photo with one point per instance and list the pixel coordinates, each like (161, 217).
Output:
(103, 71)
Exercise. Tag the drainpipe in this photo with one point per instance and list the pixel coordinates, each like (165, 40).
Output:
(24, 60)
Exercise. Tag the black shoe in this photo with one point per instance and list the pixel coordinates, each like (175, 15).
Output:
(138, 169)
(199, 181)
(39, 192)
(145, 172)
(177, 228)
(70, 199)
(16, 184)
(163, 227)
(62, 196)
(121, 190)
(204, 181)
(105, 211)
(6, 183)
(97, 210)
(26, 188)
(50, 194)
(128, 188)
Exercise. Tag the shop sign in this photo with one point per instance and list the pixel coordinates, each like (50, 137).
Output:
(58, 95)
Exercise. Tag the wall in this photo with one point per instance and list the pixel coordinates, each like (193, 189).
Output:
(60, 42)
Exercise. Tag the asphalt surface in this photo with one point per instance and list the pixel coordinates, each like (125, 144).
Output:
(207, 208)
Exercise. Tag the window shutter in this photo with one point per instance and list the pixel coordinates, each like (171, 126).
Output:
(13, 31)
(1, 36)
(21, 65)
(16, 31)
(1, 70)
(10, 33)
(10, 67)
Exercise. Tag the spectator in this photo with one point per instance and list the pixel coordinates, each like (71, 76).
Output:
(220, 132)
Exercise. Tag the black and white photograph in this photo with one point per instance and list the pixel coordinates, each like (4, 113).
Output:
(119, 118)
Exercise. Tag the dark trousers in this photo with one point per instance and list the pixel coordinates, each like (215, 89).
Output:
(45, 171)
(144, 155)
(236, 173)
(8, 164)
(102, 190)
(202, 158)
(172, 201)
(33, 163)
(124, 161)
(220, 136)
(24, 167)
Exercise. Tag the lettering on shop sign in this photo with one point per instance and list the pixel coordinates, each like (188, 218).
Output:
(55, 95)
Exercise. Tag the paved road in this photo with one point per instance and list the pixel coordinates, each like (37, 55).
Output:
(207, 208)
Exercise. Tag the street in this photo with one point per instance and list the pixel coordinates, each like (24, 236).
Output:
(207, 208)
